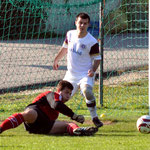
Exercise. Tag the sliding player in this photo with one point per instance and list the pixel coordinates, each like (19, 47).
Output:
(40, 117)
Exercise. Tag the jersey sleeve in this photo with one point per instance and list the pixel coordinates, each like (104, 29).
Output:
(94, 52)
(64, 109)
(54, 100)
(39, 97)
(65, 44)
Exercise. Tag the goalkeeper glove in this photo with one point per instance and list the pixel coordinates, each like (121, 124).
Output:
(78, 118)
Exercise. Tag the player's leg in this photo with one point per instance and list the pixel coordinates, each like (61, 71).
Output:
(86, 87)
(61, 127)
(74, 81)
(75, 88)
(30, 115)
(16, 119)
(41, 124)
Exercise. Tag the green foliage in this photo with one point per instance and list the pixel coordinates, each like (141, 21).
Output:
(129, 16)
(137, 14)
(115, 22)
(21, 20)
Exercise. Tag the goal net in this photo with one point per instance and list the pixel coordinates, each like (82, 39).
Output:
(32, 32)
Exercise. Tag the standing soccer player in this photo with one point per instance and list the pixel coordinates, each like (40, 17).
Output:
(40, 117)
(83, 59)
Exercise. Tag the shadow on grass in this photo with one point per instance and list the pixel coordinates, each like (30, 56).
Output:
(115, 135)
(11, 146)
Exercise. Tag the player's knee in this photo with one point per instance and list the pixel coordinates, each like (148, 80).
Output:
(29, 115)
(88, 93)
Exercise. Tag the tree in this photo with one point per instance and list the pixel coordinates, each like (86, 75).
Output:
(21, 19)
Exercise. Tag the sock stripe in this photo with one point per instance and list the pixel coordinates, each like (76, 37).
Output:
(11, 122)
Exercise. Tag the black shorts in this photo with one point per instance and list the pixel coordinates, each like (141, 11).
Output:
(42, 125)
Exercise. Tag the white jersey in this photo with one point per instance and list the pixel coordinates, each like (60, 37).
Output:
(81, 53)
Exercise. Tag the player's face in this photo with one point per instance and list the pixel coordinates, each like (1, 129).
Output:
(66, 94)
(82, 24)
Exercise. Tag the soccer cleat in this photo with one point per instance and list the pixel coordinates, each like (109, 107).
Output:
(97, 122)
(85, 131)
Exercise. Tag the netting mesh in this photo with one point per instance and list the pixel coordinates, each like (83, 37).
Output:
(31, 35)
(32, 32)
(126, 56)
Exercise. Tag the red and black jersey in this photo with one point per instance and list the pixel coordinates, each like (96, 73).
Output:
(50, 103)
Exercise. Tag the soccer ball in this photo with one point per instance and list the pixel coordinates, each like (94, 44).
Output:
(143, 124)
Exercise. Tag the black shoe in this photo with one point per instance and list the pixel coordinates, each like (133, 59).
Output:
(0, 130)
(97, 122)
(85, 131)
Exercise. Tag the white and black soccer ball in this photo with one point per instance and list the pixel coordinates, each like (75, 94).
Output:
(143, 124)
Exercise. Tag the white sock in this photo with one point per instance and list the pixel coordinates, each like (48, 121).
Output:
(93, 111)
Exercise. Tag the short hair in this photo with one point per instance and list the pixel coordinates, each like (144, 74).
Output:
(83, 15)
(63, 84)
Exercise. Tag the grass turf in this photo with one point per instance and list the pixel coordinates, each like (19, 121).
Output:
(122, 106)
(117, 136)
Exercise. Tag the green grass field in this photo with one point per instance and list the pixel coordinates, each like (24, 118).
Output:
(122, 106)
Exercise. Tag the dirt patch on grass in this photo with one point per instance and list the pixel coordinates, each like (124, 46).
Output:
(122, 77)
(125, 77)
(106, 122)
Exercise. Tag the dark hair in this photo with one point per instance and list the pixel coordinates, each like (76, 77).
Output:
(83, 16)
(63, 84)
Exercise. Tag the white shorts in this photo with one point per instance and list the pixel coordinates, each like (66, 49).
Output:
(78, 82)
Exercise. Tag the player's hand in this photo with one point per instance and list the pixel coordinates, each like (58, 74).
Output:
(91, 73)
(55, 65)
(78, 118)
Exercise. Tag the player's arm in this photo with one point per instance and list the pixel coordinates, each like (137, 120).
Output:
(64, 109)
(94, 68)
(59, 56)
(62, 52)
(96, 65)
(94, 53)
(54, 100)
